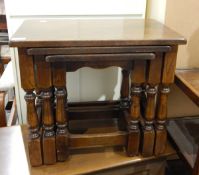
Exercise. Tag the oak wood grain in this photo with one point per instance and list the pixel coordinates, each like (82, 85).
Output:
(35, 33)
(169, 65)
(154, 70)
(137, 78)
(62, 134)
(26, 70)
(187, 80)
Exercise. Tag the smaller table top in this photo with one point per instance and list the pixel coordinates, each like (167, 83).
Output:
(13, 158)
(188, 81)
(93, 32)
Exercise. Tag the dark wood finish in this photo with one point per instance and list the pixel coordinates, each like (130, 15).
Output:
(44, 83)
(169, 65)
(62, 135)
(153, 79)
(42, 74)
(124, 92)
(100, 57)
(34, 33)
(3, 122)
(93, 111)
(96, 50)
(34, 144)
(3, 23)
(28, 84)
(26, 70)
(73, 66)
(146, 52)
(168, 73)
(95, 140)
(48, 139)
(137, 78)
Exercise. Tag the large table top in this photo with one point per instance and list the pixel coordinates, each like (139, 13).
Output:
(93, 32)
(13, 157)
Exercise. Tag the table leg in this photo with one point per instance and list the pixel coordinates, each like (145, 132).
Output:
(168, 72)
(44, 84)
(148, 134)
(49, 153)
(161, 133)
(62, 135)
(153, 79)
(137, 78)
(28, 84)
(124, 93)
(34, 142)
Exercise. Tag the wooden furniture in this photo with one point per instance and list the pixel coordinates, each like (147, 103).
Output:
(184, 131)
(3, 41)
(104, 161)
(4, 60)
(145, 50)
(8, 110)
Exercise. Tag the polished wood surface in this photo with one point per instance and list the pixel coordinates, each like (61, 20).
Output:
(187, 80)
(92, 32)
(91, 162)
(137, 78)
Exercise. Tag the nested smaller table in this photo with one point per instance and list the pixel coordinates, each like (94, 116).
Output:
(145, 50)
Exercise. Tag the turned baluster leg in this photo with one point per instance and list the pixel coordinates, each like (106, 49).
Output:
(34, 143)
(28, 84)
(148, 129)
(153, 79)
(44, 83)
(62, 135)
(168, 72)
(137, 78)
(124, 93)
(161, 133)
(49, 153)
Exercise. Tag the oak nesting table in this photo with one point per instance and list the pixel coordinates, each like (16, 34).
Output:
(145, 50)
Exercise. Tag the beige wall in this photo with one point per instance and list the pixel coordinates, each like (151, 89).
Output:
(183, 16)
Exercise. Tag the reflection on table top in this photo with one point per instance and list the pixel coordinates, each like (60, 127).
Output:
(93, 32)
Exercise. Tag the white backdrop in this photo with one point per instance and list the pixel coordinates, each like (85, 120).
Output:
(85, 84)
